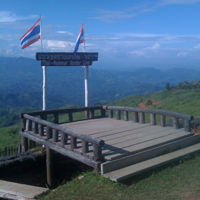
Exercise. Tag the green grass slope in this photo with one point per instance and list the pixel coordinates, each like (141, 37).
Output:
(175, 181)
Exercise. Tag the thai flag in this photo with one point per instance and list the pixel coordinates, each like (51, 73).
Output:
(80, 39)
(31, 36)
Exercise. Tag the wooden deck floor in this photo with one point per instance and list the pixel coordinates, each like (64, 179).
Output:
(125, 137)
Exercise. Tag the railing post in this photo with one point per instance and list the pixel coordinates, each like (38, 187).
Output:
(110, 113)
(103, 112)
(126, 115)
(41, 129)
(162, 120)
(35, 128)
(187, 125)
(97, 152)
(23, 124)
(70, 117)
(118, 114)
(55, 135)
(153, 119)
(55, 118)
(85, 147)
(64, 138)
(135, 117)
(87, 114)
(175, 122)
(24, 144)
(73, 142)
(142, 117)
(48, 132)
(28, 125)
(91, 113)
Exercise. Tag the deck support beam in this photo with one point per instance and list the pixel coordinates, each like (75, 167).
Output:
(49, 155)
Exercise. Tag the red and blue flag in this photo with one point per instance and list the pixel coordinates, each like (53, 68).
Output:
(31, 36)
(80, 38)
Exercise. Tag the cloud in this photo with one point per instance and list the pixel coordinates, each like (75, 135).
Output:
(197, 46)
(154, 47)
(171, 2)
(182, 54)
(7, 16)
(58, 45)
(137, 53)
(65, 32)
(114, 16)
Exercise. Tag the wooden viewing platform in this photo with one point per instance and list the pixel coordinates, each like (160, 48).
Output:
(119, 148)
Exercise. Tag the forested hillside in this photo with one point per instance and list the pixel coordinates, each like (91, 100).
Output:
(21, 85)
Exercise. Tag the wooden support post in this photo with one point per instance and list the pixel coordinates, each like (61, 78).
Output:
(97, 152)
(5, 151)
(49, 132)
(118, 114)
(73, 142)
(55, 135)
(103, 112)
(126, 115)
(28, 125)
(135, 117)
(153, 119)
(24, 144)
(70, 117)
(85, 147)
(175, 122)
(23, 124)
(41, 129)
(55, 118)
(91, 113)
(87, 114)
(49, 166)
(162, 120)
(64, 138)
(142, 117)
(35, 128)
(187, 125)
(110, 113)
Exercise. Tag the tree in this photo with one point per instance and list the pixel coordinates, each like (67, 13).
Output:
(168, 88)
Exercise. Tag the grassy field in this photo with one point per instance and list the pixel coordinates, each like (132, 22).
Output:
(175, 181)
(178, 180)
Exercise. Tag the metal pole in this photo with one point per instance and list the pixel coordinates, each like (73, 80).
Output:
(86, 86)
(44, 88)
(44, 73)
(86, 76)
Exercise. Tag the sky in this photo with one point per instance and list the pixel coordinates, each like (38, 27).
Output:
(127, 34)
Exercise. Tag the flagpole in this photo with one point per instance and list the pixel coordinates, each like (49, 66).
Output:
(44, 73)
(86, 75)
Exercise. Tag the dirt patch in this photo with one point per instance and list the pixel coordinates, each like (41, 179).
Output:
(143, 104)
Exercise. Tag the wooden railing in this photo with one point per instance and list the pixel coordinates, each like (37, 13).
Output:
(139, 116)
(35, 127)
(10, 150)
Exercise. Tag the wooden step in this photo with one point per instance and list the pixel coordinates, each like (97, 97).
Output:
(127, 172)
(148, 154)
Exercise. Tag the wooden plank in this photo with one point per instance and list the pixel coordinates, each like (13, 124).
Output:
(114, 152)
(17, 191)
(148, 154)
(139, 137)
(134, 134)
(127, 172)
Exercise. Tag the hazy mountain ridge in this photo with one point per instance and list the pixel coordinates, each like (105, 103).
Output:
(65, 85)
